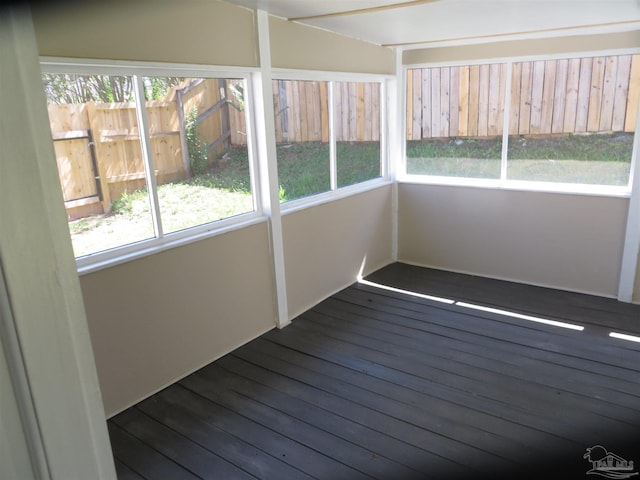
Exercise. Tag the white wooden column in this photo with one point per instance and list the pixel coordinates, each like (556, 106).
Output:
(628, 269)
(46, 345)
(268, 165)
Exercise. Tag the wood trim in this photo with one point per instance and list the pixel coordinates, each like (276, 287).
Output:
(363, 10)
(513, 34)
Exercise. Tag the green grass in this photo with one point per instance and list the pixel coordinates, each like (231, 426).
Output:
(603, 159)
(222, 192)
(303, 170)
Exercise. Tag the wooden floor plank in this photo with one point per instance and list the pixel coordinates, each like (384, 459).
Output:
(465, 344)
(142, 459)
(203, 463)
(213, 415)
(125, 473)
(523, 379)
(350, 458)
(376, 383)
(236, 451)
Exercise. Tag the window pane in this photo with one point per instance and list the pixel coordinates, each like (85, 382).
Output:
(357, 124)
(97, 144)
(198, 140)
(302, 137)
(572, 120)
(454, 120)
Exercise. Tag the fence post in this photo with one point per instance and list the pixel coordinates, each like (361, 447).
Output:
(100, 167)
(224, 112)
(183, 135)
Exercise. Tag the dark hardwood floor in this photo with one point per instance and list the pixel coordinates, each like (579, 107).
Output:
(373, 383)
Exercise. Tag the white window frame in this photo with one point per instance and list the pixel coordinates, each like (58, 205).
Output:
(503, 182)
(335, 192)
(162, 241)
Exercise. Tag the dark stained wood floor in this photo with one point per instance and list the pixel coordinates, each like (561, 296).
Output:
(373, 383)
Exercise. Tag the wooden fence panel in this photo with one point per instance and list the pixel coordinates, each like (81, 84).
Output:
(547, 97)
(75, 168)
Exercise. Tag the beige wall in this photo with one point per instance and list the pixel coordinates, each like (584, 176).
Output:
(185, 31)
(296, 46)
(570, 242)
(159, 318)
(546, 46)
(328, 245)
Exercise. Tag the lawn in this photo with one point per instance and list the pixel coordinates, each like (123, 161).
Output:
(222, 192)
(303, 170)
(603, 159)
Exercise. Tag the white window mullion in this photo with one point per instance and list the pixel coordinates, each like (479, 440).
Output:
(147, 158)
(505, 122)
(333, 170)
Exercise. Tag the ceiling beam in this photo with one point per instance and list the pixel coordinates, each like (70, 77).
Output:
(513, 34)
(364, 10)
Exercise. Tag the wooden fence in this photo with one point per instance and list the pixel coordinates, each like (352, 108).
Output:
(548, 97)
(98, 144)
(302, 111)
(98, 150)
(99, 155)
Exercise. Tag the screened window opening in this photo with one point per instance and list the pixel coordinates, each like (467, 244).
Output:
(454, 120)
(569, 120)
(123, 182)
(357, 125)
(327, 135)
(573, 120)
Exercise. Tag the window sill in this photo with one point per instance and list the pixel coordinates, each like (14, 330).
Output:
(110, 258)
(518, 185)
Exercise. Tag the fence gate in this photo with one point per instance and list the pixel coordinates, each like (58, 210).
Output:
(77, 167)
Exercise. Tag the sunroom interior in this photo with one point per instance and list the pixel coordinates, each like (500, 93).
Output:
(150, 316)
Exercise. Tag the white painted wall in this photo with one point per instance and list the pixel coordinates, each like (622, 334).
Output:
(326, 246)
(571, 242)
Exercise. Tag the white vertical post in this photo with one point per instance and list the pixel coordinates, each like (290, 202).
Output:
(268, 165)
(396, 146)
(628, 269)
(42, 300)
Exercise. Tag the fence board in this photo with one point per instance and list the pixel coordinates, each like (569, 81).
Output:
(496, 95)
(557, 120)
(595, 95)
(584, 92)
(424, 109)
(483, 96)
(454, 101)
(537, 94)
(634, 95)
(463, 109)
(514, 98)
(621, 93)
(435, 102)
(445, 98)
(548, 93)
(324, 111)
(571, 95)
(608, 93)
(525, 98)
(474, 100)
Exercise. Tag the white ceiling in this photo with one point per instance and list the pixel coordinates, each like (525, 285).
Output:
(409, 24)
